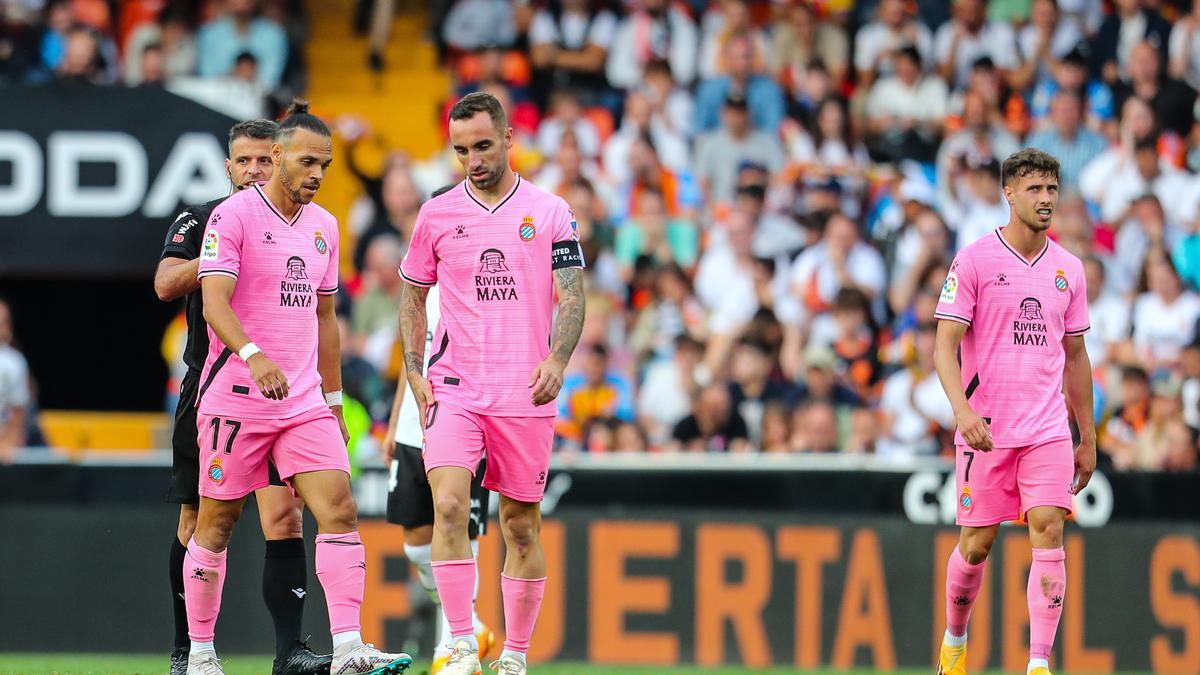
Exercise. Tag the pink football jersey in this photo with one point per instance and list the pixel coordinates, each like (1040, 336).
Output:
(494, 266)
(281, 266)
(1017, 313)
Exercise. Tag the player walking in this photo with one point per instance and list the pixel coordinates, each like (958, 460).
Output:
(269, 269)
(1016, 303)
(498, 248)
(410, 502)
(284, 573)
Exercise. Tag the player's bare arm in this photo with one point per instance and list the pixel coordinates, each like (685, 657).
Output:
(329, 354)
(175, 278)
(547, 379)
(217, 291)
(1078, 380)
(413, 327)
(974, 429)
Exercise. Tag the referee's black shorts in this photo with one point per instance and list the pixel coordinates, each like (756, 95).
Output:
(185, 461)
(410, 502)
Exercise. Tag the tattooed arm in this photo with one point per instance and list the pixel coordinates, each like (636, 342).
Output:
(548, 377)
(413, 328)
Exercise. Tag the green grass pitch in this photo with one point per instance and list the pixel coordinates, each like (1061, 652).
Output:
(141, 664)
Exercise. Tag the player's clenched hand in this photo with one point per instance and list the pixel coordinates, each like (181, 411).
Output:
(423, 392)
(975, 430)
(1085, 464)
(337, 412)
(546, 380)
(270, 379)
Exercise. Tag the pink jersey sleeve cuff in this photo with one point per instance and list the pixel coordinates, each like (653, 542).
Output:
(416, 282)
(216, 271)
(1077, 331)
(952, 317)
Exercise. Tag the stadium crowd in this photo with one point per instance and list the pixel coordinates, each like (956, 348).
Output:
(770, 195)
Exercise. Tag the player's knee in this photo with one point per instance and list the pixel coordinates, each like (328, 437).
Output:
(285, 524)
(1047, 533)
(520, 531)
(187, 525)
(341, 514)
(976, 547)
(217, 529)
(451, 510)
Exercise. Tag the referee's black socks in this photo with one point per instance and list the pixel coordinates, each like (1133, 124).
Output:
(284, 586)
(178, 551)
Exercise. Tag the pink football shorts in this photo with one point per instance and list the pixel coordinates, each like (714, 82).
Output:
(1005, 483)
(518, 448)
(234, 453)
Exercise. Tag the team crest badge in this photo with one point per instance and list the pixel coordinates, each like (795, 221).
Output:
(320, 242)
(215, 473)
(965, 500)
(1060, 280)
(527, 230)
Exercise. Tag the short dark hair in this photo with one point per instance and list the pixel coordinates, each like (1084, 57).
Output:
(480, 102)
(1149, 142)
(260, 129)
(1028, 162)
(298, 117)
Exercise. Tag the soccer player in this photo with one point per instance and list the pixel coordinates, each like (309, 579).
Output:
(1016, 304)
(410, 502)
(498, 249)
(284, 573)
(270, 390)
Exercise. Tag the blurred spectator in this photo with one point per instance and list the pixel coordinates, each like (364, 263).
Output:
(831, 147)
(877, 44)
(81, 59)
(373, 317)
(714, 425)
(855, 339)
(916, 416)
(595, 235)
(665, 396)
(800, 38)
(172, 33)
(566, 114)
(1171, 99)
(921, 238)
(674, 311)
(475, 24)
(646, 171)
(1117, 433)
(1047, 38)
(1165, 443)
(863, 435)
(245, 68)
(152, 66)
(567, 166)
(809, 88)
(668, 140)
(1130, 23)
(752, 387)
(981, 138)
(16, 394)
(1189, 366)
(724, 21)
(970, 36)
(821, 383)
(1071, 73)
(725, 286)
(653, 30)
(1165, 314)
(976, 204)
(1142, 228)
(241, 29)
(905, 110)
(719, 153)
(1108, 312)
(777, 237)
(671, 106)
(1184, 48)
(743, 78)
(596, 393)
(815, 428)
(569, 42)
(395, 201)
(1136, 124)
(650, 233)
(776, 428)
(840, 260)
(1147, 173)
(1067, 139)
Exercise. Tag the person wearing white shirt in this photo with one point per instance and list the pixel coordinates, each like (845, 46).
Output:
(570, 43)
(1045, 40)
(1175, 189)
(1108, 312)
(1184, 47)
(977, 205)
(905, 111)
(656, 31)
(1164, 317)
(15, 392)
(913, 405)
(841, 259)
(876, 43)
(968, 37)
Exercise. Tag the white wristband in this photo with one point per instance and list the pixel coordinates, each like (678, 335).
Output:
(333, 398)
(249, 350)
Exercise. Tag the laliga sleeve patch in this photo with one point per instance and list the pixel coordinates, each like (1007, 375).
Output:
(566, 254)
(212, 244)
(950, 288)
